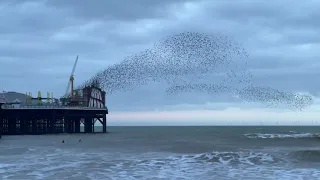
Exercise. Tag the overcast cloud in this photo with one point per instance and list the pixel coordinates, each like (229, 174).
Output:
(39, 40)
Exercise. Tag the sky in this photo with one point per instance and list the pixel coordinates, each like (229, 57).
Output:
(40, 39)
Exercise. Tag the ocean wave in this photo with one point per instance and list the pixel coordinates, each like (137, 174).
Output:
(217, 164)
(12, 151)
(281, 135)
(249, 158)
(306, 155)
(18, 151)
(191, 166)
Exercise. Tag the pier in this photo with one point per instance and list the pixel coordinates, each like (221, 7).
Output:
(84, 109)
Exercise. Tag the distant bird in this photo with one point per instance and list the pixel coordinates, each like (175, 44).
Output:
(63, 141)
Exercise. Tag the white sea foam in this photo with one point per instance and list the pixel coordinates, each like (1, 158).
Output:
(42, 163)
(281, 135)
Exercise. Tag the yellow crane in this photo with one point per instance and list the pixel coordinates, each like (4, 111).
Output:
(71, 79)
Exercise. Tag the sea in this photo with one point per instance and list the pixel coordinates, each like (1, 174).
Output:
(195, 153)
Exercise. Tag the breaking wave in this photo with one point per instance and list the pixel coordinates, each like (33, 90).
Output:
(234, 158)
(215, 157)
(281, 135)
(225, 164)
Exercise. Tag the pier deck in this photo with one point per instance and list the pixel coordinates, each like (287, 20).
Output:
(51, 120)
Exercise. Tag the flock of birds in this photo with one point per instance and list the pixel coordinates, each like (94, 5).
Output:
(194, 62)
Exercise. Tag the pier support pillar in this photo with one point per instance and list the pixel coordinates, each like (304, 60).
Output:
(93, 123)
(66, 125)
(88, 125)
(77, 124)
(12, 125)
(28, 126)
(51, 124)
(1, 125)
(34, 126)
(71, 125)
(104, 124)
(23, 125)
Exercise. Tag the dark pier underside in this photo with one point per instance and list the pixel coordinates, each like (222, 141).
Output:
(50, 121)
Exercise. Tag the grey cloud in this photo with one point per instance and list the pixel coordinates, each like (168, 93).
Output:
(274, 61)
(246, 12)
(32, 18)
(290, 80)
(110, 10)
(278, 14)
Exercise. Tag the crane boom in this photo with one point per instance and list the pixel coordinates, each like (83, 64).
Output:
(71, 79)
(74, 66)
